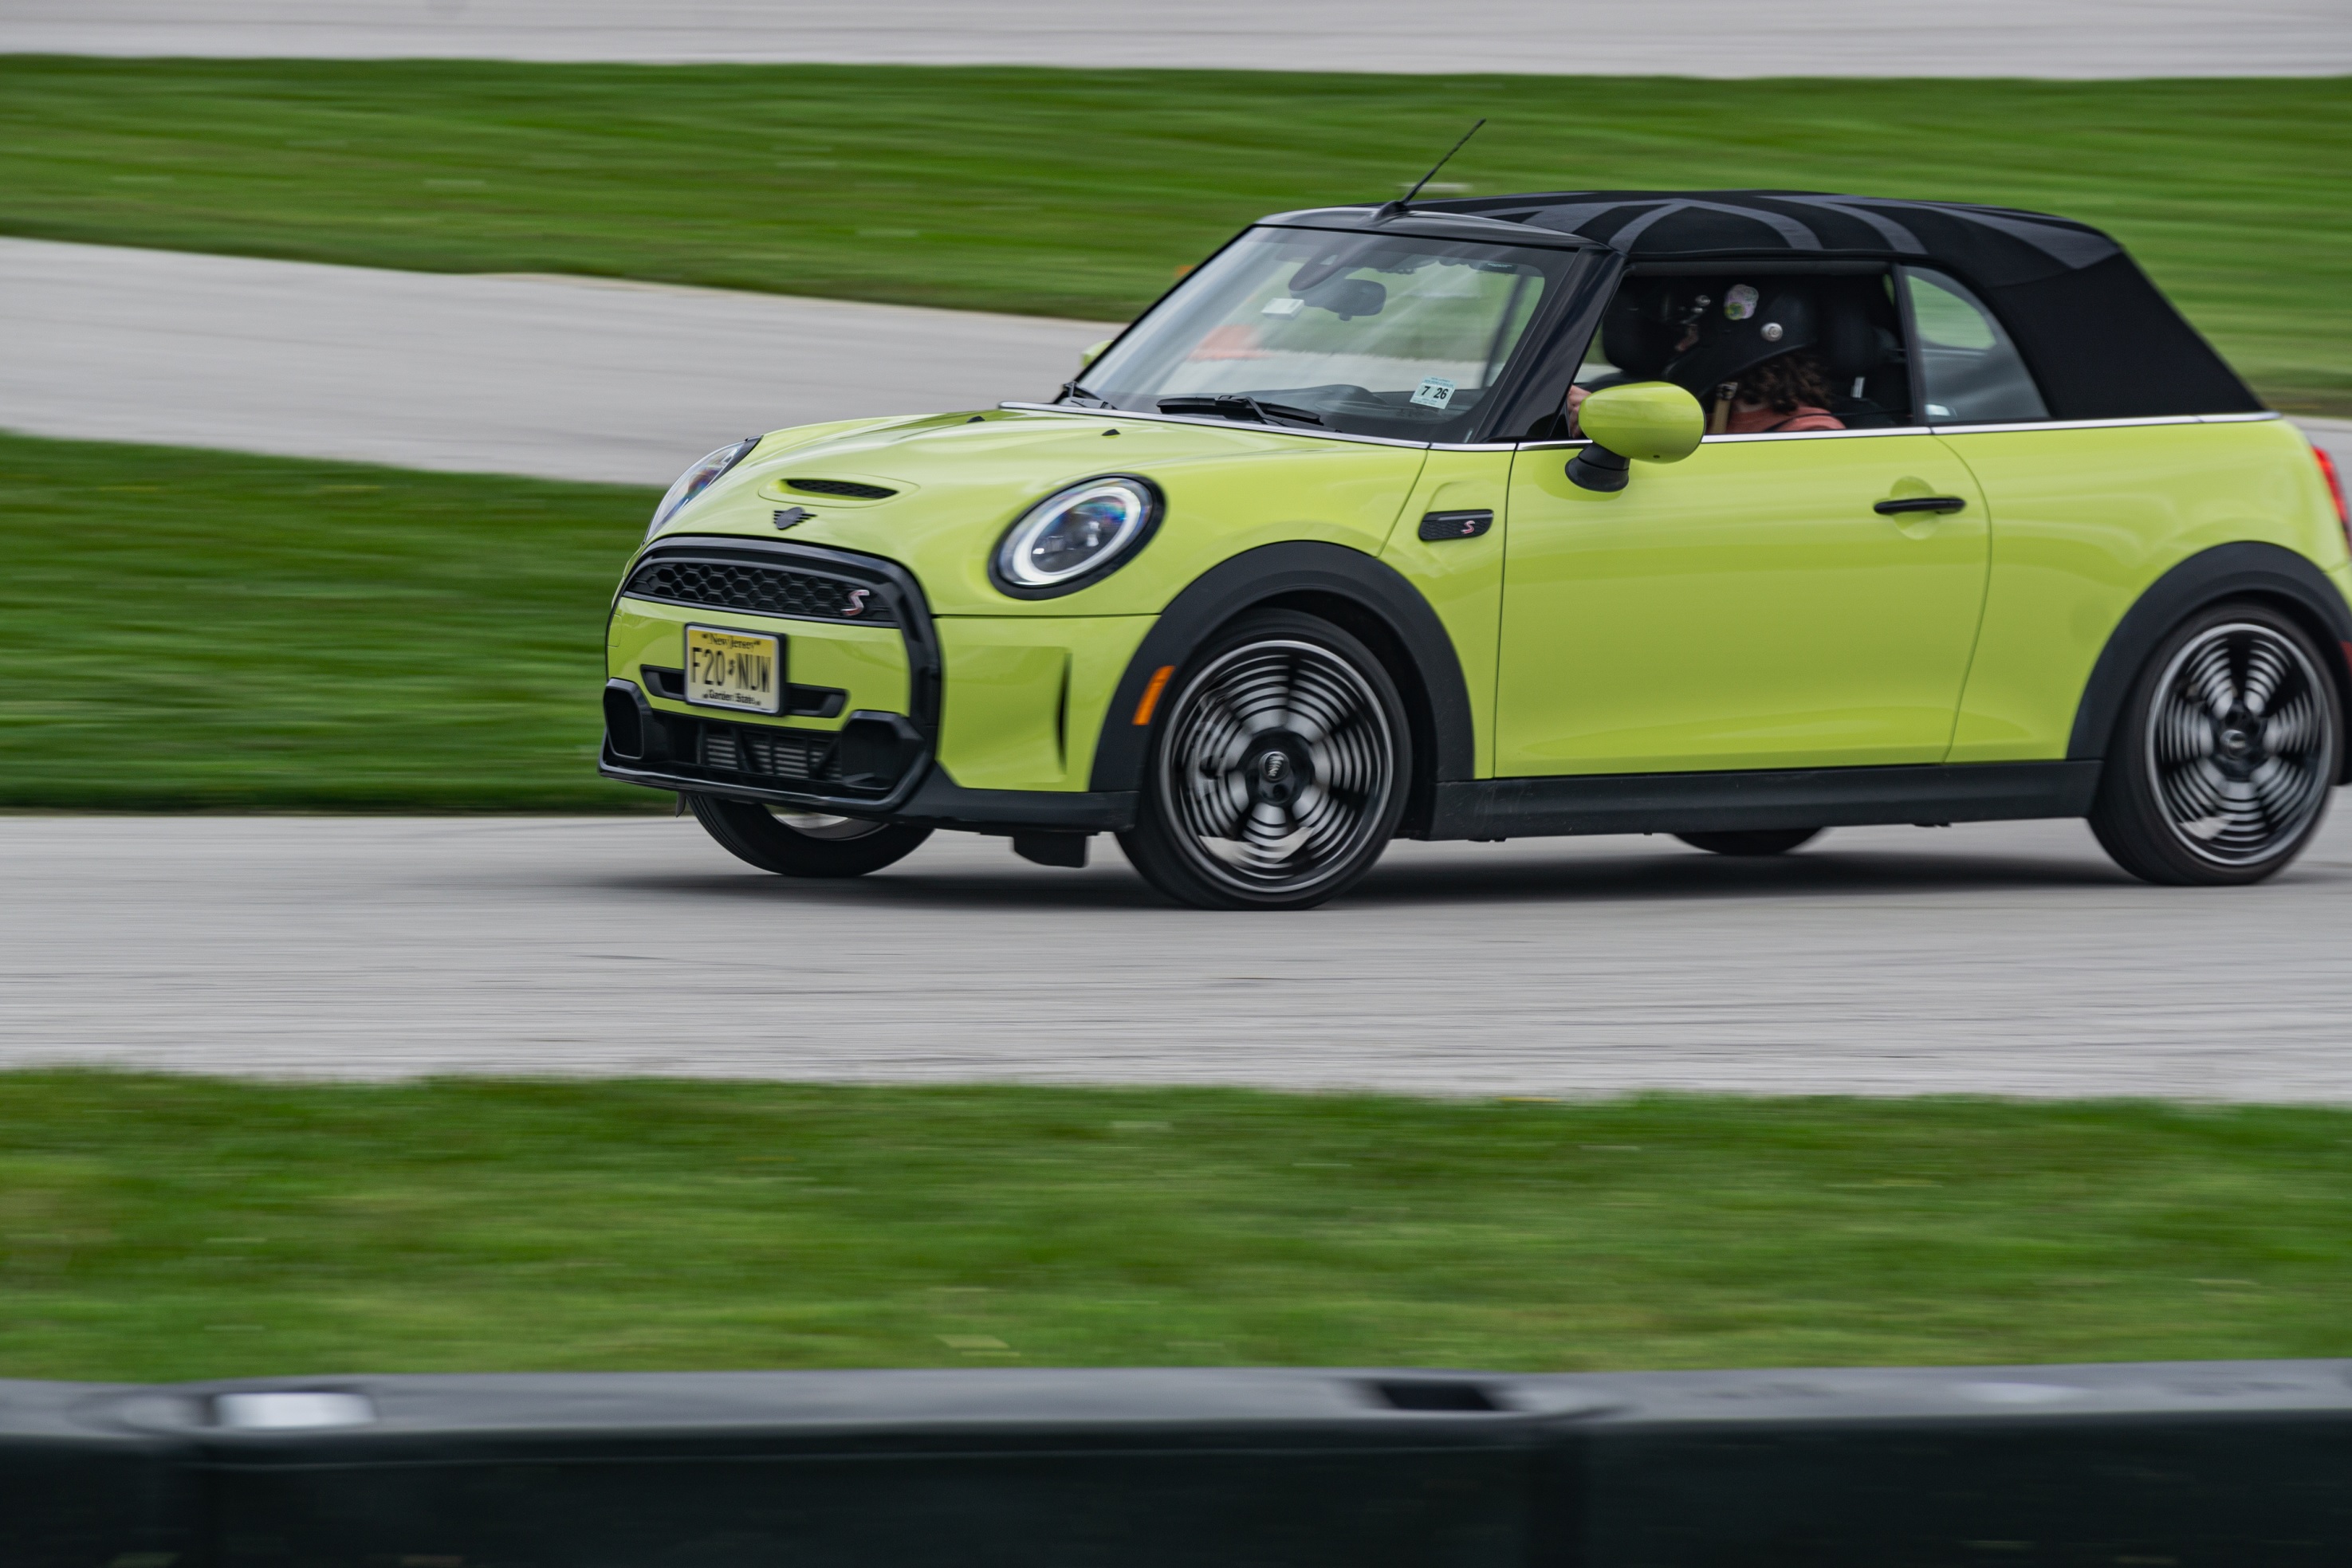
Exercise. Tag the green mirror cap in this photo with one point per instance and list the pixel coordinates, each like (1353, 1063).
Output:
(1653, 422)
(1092, 352)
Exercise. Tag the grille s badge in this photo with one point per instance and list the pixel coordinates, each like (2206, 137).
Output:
(857, 598)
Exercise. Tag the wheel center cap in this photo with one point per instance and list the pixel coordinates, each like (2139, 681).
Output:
(1277, 771)
(2236, 741)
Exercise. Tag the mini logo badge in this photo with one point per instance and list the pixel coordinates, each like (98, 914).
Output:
(857, 598)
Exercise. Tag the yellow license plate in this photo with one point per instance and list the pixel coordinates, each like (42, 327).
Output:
(734, 669)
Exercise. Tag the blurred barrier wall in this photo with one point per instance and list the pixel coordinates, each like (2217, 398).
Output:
(2190, 1463)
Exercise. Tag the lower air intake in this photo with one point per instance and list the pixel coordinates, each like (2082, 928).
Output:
(797, 758)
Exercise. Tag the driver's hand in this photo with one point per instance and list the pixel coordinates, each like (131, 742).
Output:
(1576, 396)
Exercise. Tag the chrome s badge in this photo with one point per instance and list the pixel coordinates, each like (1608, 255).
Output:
(857, 598)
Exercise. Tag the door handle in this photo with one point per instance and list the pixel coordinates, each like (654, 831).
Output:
(1902, 504)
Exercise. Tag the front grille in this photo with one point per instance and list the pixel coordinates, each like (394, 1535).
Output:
(842, 487)
(759, 590)
(766, 754)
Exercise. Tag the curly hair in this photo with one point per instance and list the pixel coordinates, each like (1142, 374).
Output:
(1797, 379)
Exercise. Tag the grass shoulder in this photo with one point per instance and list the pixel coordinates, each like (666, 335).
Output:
(218, 632)
(487, 1226)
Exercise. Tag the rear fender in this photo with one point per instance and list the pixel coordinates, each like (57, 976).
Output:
(2244, 570)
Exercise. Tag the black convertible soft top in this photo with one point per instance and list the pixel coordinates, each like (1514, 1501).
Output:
(2100, 338)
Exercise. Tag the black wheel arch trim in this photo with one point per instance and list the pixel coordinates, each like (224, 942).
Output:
(1305, 574)
(2248, 569)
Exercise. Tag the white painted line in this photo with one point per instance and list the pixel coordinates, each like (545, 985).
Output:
(561, 377)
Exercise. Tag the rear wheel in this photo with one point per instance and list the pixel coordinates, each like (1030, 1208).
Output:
(2228, 746)
(803, 843)
(1279, 771)
(1751, 842)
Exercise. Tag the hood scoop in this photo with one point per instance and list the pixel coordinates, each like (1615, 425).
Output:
(841, 489)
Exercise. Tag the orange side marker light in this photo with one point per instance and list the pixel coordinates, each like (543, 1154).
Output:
(1152, 693)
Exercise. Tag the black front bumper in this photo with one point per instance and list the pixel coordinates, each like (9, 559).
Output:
(877, 765)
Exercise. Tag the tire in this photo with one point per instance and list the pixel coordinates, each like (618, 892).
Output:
(1279, 771)
(795, 843)
(1751, 842)
(2221, 764)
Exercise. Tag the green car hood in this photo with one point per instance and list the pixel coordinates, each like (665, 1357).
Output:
(959, 480)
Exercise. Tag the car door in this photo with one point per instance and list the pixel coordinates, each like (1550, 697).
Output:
(1750, 607)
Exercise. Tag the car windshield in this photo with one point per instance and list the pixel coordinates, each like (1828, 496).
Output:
(1361, 334)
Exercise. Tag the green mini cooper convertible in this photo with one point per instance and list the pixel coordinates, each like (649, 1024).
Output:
(1730, 515)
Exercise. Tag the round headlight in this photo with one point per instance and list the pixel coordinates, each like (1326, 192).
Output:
(1074, 536)
(697, 479)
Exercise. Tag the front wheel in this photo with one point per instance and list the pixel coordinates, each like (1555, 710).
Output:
(1751, 841)
(2227, 748)
(803, 843)
(1278, 772)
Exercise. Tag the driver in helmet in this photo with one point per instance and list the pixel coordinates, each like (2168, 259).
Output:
(1750, 361)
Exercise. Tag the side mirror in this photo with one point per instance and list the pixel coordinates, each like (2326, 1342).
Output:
(1092, 352)
(1653, 422)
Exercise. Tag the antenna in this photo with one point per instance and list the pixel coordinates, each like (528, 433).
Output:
(1405, 201)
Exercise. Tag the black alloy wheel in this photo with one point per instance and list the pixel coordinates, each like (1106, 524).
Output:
(804, 843)
(2222, 766)
(1278, 772)
(1751, 841)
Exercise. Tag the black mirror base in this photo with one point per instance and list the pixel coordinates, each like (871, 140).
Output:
(1598, 468)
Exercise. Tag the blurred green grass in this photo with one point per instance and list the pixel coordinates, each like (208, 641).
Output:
(1078, 193)
(155, 1228)
(200, 630)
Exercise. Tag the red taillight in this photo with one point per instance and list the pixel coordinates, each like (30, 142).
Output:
(2335, 489)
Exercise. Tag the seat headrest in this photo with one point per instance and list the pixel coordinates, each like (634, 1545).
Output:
(1635, 340)
(1852, 344)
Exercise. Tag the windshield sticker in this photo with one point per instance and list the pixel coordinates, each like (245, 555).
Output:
(1283, 305)
(1739, 301)
(1435, 392)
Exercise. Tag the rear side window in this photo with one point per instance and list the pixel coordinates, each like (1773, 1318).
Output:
(1969, 371)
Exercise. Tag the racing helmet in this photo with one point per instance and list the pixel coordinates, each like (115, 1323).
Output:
(1752, 324)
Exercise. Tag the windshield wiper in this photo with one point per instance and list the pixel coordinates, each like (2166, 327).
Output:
(1238, 405)
(1072, 391)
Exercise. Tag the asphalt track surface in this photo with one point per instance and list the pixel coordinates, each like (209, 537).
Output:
(2001, 959)
(561, 377)
(2061, 38)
